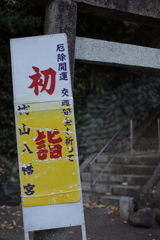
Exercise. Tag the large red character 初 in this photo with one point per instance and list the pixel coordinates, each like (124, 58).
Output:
(47, 84)
(55, 149)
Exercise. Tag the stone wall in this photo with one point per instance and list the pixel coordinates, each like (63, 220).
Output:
(105, 114)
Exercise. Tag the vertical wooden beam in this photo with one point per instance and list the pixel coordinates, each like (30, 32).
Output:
(61, 17)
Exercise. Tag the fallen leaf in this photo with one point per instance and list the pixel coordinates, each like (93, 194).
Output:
(109, 212)
(125, 183)
(16, 213)
(87, 205)
(100, 206)
(3, 207)
(10, 227)
(112, 208)
(14, 222)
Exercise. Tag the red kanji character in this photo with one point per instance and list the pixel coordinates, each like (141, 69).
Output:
(42, 153)
(49, 75)
(40, 137)
(51, 135)
(55, 151)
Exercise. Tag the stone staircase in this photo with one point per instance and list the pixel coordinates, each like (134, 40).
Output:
(125, 177)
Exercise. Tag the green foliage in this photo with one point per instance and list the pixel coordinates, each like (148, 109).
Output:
(16, 20)
(79, 117)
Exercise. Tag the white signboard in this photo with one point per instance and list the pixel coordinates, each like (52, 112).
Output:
(46, 139)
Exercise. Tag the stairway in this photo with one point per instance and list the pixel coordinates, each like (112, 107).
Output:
(125, 177)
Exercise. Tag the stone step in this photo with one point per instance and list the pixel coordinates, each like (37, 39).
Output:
(98, 188)
(124, 168)
(106, 200)
(113, 189)
(87, 197)
(146, 147)
(153, 127)
(146, 144)
(151, 141)
(110, 200)
(143, 158)
(138, 180)
(152, 134)
(129, 190)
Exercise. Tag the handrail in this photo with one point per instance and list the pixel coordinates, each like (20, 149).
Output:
(86, 163)
(158, 133)
(109, 161)
(106, 145)
(138, 134)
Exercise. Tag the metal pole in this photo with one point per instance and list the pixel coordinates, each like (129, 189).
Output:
(106, 145)
(95, 180)
(158, 133)
(131, 136)
(91, 180)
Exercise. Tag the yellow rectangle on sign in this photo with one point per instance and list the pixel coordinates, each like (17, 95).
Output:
(47, 154)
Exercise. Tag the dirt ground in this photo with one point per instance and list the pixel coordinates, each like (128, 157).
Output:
(102, 223)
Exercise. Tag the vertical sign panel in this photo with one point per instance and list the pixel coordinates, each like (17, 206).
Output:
(45, 125)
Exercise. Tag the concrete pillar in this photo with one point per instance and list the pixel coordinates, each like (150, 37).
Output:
(61, 16)
(126, 206)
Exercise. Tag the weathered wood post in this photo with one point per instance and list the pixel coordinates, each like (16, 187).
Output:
(60, 18)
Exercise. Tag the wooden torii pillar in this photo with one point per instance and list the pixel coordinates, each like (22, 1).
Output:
(61, 18)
